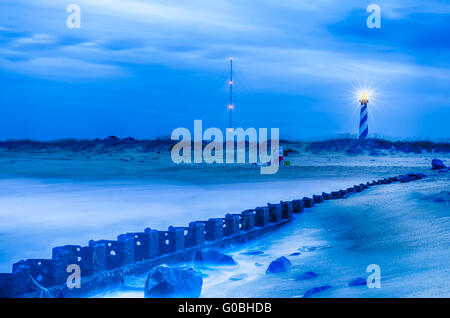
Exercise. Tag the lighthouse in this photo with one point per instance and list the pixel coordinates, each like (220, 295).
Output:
(363, 125)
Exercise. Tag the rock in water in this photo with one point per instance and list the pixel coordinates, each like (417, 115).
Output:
(315, 290)
(358, 282)
(437, 164)
(173, 282)
(279, 265)
(133, 283)
(213, 257)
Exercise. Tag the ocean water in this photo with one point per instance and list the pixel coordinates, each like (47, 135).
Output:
(38, 214)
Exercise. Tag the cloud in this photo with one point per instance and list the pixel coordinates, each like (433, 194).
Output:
(294, 51)
(280, 39)
(36, 39)
(61, 68)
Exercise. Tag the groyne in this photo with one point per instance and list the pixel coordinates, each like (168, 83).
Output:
(103, 263)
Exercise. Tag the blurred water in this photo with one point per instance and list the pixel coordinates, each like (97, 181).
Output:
(36, 215)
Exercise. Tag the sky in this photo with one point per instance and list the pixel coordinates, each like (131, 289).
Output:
(142, 68)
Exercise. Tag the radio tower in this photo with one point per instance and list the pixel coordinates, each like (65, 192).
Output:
(230, 105)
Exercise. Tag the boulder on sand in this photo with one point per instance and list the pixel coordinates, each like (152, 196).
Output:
(437, 164)
(173, 282)
(279, 265)
(213, 257)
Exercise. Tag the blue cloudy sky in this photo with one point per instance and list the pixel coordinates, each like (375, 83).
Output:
(145, 67)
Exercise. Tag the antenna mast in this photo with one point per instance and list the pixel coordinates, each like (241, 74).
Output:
(230, 106)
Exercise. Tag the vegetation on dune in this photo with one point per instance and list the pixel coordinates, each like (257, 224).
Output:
(376, 146)
(348, 146)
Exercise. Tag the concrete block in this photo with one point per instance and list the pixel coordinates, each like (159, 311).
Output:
(248, 220)
(335, 195)
(74, 254)
(171, 241)
(195, 234)
(128, 245)
(46, 272)
(317, 198)
(232, 224)
(308, 202)
(106, 254)
(214, 229)
(16, 283)
(153, 243)
(286, 209)
(140, 244)
(274, 212)
(297, 206)
(262, 216)
(326, 196)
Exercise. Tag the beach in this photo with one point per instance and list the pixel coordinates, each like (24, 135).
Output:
(54, 200)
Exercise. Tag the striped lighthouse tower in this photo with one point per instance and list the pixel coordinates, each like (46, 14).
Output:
(363, 125)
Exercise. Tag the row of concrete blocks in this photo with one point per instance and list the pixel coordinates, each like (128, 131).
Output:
(130, 248)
